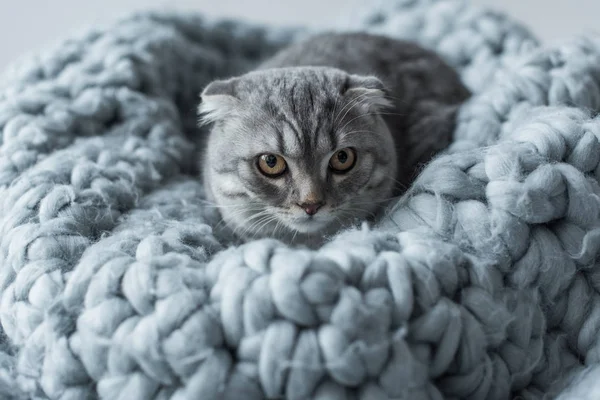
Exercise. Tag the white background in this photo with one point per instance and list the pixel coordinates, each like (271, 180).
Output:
(29, 25)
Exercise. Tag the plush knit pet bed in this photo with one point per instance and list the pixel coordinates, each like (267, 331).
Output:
(480, 284)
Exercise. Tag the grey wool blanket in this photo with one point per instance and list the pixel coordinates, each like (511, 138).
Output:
(480, 283)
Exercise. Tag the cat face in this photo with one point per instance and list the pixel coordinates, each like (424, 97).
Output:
(295, 152)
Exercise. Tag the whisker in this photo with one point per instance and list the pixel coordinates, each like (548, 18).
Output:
(346, 218)
(399, 99)
(369, 114)
(357, 104)
(371, 202)
(296, 231)
(347, 134)
(360, 210)
(234, 205)
(276, 227)
(235, 210)
(224, 206)
(234, 213)
(400, 184)
(354, 102)
(335, 105)
(267, 220)
(339, 220)
(244, 225)
(248, 226)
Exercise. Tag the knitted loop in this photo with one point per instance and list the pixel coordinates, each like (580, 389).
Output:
(541, 195)
(479, 43)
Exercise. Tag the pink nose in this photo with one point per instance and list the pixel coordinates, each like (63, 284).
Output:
(311, 208)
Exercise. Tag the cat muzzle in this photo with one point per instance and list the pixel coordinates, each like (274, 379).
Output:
(311, 208)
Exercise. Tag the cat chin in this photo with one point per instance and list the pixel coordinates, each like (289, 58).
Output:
(312, 225)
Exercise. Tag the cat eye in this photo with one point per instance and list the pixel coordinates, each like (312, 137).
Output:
(343, 160)
(271, 165)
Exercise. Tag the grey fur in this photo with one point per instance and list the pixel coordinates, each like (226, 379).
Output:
(392, 101)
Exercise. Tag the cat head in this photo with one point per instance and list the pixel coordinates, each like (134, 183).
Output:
(296, 151)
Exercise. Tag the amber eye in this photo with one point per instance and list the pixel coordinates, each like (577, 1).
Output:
(271, 165)
(343, 160)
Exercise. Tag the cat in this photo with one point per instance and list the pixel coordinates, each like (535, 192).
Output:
(324, 134)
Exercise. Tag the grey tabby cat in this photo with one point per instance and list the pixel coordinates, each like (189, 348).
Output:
(324, 133)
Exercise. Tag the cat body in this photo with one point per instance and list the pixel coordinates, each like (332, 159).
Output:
(324, 133)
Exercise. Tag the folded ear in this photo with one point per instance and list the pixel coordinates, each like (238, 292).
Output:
(368, 92)
(217, 101)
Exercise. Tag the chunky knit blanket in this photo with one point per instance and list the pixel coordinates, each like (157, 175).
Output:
(480, 283)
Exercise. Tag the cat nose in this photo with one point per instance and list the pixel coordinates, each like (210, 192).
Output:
(311, 208)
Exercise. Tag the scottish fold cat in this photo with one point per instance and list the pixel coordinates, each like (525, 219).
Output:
(324, 134)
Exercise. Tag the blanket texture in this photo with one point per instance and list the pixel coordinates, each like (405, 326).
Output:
(480, 283)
